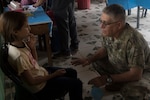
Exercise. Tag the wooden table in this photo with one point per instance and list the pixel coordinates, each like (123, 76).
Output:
(43, 29)
(41, 24)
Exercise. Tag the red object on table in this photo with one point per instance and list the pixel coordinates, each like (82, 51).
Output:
(83, 4)
(51, 15)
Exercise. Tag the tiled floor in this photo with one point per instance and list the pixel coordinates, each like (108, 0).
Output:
(89, 34)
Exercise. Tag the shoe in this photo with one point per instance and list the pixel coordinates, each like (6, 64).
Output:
(74, 46)
(114, 87)
(65, 55)
(74, 49)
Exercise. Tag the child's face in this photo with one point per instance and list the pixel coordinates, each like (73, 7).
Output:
(24, 32)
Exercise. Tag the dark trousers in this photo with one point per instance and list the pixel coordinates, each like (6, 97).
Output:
(66, 23)
(58, 86)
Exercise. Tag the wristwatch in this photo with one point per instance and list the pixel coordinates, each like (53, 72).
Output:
(109, 80)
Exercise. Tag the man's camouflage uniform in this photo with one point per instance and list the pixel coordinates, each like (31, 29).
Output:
(130, 49)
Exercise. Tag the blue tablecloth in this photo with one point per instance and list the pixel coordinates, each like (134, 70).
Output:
(39, 17)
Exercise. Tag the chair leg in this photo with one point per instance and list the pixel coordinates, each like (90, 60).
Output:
(145, 13)
(142, 12)
(138, 16)
(129, 12)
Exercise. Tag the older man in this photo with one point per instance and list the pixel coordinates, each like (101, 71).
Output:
(124, 54)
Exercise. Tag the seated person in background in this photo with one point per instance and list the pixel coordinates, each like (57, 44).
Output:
(124, 57)
(46, 82)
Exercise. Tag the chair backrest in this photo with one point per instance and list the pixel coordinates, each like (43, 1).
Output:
(7, 68)
(127, 4)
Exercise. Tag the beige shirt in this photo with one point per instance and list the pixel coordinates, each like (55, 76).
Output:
(21, 59)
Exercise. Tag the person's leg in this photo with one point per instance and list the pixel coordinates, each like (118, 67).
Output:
(62, 23)
(72, 27)
(59, 86)
(69, 71)
(75, 85)
(104, 67)
(75, 89)
(137, 90)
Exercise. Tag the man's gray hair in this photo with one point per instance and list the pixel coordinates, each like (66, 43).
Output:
(115, 11)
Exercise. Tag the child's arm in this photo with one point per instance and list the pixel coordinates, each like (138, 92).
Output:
(32, 45)
(39, 79)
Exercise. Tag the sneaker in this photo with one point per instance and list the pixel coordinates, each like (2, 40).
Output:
(74, 49)
(66, 55)
(74, 46)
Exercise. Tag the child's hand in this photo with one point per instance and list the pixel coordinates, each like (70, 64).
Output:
(59, 72)
(31, 42)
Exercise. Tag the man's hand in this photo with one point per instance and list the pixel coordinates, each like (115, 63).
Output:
(98, 81)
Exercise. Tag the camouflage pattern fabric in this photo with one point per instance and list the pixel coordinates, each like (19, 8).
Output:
(129, 50)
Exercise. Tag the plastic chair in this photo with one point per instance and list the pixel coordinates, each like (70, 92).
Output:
(145, 4)
(21, 93)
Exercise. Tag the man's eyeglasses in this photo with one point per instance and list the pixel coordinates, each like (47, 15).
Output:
(106, 23)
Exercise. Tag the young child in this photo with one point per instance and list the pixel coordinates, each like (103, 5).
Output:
(46, 82)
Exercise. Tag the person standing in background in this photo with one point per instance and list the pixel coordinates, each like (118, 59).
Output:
(65, 20)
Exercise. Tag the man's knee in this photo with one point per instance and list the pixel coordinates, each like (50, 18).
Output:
(134, 92)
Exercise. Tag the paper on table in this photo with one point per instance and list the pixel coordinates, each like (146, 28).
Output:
(29, 8)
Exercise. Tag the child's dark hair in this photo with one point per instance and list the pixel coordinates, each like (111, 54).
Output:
(11, 22)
